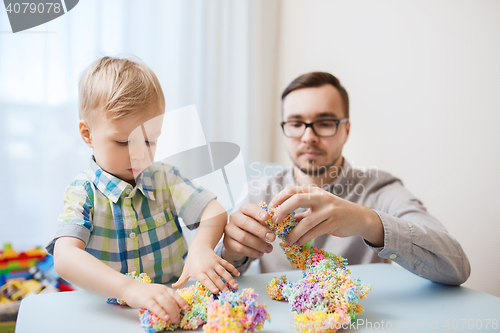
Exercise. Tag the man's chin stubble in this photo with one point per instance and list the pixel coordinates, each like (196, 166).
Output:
(315, 171)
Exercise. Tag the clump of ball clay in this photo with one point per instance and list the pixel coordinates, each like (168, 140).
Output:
(196, 296)
(275, 288)
(229, 312)
(326, 294)
(233, 312)
(297, 255)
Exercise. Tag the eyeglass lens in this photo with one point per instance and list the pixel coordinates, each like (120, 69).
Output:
(320, 128)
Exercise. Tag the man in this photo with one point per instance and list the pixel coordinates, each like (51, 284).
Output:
(364, 216)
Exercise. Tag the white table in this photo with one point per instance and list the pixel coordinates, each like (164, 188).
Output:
(399, 300)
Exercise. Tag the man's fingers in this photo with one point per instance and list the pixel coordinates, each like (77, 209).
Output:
(291, 204)
(283, 195)
(311, 234)
(251, 234)
(256, 212)
(302, 228)
(244, 250)
(291, 191)
(245, 239)
(299, 217)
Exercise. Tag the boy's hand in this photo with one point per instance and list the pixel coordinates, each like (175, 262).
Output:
(157, 298)
(207, 267)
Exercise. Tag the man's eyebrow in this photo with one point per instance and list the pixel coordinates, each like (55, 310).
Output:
(325, 114)
(294, 116)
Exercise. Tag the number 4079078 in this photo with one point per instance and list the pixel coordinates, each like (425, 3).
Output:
(31, 7)
(471, 323)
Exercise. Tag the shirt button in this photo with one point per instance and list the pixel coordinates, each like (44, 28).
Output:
(132, 235)
(159, 219)
(128, 191)
(393, 256)
(127, 201)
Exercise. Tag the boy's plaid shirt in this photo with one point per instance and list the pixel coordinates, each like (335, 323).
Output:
(133, 229)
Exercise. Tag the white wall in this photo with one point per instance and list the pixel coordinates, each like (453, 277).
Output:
(424, 83)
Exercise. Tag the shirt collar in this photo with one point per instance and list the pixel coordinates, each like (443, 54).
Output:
(145, 184)
(112, 187)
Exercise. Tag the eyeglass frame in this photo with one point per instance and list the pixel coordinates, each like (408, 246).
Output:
(336, 121)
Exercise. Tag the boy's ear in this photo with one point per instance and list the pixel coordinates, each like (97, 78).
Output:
(85, 133)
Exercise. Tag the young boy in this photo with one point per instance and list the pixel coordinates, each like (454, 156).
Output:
(121, 215)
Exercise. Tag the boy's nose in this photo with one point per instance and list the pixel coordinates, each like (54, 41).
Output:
(138, 153)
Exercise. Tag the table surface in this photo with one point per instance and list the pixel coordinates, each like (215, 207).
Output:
(399, 301)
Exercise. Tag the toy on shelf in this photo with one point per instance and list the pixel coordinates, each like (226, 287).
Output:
(326, 294)
(14, 265)
(23, 274)
(15, 290)
(31, 270)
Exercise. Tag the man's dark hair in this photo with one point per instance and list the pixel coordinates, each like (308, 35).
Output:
(318, 79)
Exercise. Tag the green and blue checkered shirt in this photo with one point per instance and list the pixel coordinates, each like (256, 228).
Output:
(133, 228)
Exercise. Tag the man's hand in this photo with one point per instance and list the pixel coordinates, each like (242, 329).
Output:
(327, 214)
(157, 298)
(247, 233)
(207, 267)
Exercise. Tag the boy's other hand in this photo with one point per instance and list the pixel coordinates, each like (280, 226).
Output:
(207, 267)
(157, 298)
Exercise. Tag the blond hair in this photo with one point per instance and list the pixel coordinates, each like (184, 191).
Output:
(117, 88)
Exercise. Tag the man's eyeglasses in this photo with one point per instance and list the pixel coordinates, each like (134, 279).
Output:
(322, 127)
